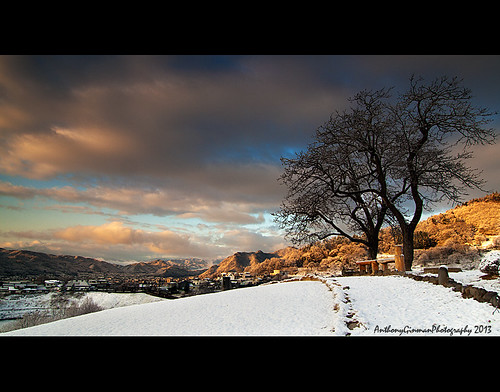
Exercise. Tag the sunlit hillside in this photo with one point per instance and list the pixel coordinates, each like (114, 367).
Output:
(441, 238)
(472, 223)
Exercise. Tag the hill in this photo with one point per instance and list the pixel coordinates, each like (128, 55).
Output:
(27, 263)
(239, 262)
(471, 223)
(294, 308)
(24, 263)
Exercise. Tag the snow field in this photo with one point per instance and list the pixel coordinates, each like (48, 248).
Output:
(289, 308)
(358, 305)
(394, 305)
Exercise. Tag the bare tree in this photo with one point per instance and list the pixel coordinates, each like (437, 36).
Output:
(327, 185)
(385, 157)
(430, 121)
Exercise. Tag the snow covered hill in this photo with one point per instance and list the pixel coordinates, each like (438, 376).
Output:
(294, 308)
(17, 305)
(364, 305)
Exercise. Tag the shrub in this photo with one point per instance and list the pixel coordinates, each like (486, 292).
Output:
(452, 253)
(74, 309)
(31, 319)
(422, 240)
(87, 306)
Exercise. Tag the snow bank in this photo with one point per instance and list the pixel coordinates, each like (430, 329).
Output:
(16, 305)
(116, 300)
(474, 278)
(291, 308)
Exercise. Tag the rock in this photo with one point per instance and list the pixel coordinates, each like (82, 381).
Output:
(353, 324)
(478, 293)
(443, 275)
(495, 301)
(467, 292)
(488, 296)
(490, 263)
(457, 286)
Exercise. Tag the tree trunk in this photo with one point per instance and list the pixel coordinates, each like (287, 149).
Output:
(407, 246)
(372, 249)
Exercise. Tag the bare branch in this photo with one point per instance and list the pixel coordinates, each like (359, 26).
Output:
(369, 161)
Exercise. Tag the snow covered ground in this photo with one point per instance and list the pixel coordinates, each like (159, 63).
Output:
(15, 306)
(359, 306)
(395, 305)
(293, 308)
(473, 277)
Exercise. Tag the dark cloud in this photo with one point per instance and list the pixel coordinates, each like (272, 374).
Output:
(168, 125)
(190, 136)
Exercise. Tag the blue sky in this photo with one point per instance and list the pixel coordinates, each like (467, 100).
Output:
(136, 157)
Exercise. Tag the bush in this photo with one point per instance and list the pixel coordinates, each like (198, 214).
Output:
(74, 309)
(87, 306)
(422, 240)
(31, 319)
(452, 253)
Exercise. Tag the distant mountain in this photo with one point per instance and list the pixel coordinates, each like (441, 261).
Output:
(189, 264)
(238, 262)
(28, 263)
(161, 268)
(24, 263)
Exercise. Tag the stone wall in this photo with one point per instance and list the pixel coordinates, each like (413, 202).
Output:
(468, 291)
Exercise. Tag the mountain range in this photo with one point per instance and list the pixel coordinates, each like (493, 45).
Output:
(24, 263)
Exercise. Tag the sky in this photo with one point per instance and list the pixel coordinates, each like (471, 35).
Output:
(131, 158)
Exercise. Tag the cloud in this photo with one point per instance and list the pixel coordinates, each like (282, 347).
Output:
(115, 233)
(250, 241)
(110, 233)
(63, 150)
(217, 126)
(167, 124)
(215, 139)
(158, 202)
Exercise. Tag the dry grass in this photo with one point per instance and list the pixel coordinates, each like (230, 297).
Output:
(36, 318)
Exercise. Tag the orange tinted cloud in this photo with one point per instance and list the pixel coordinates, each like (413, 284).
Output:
(109, 233)
(116, 233)
(118, 241)
(62, 150)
